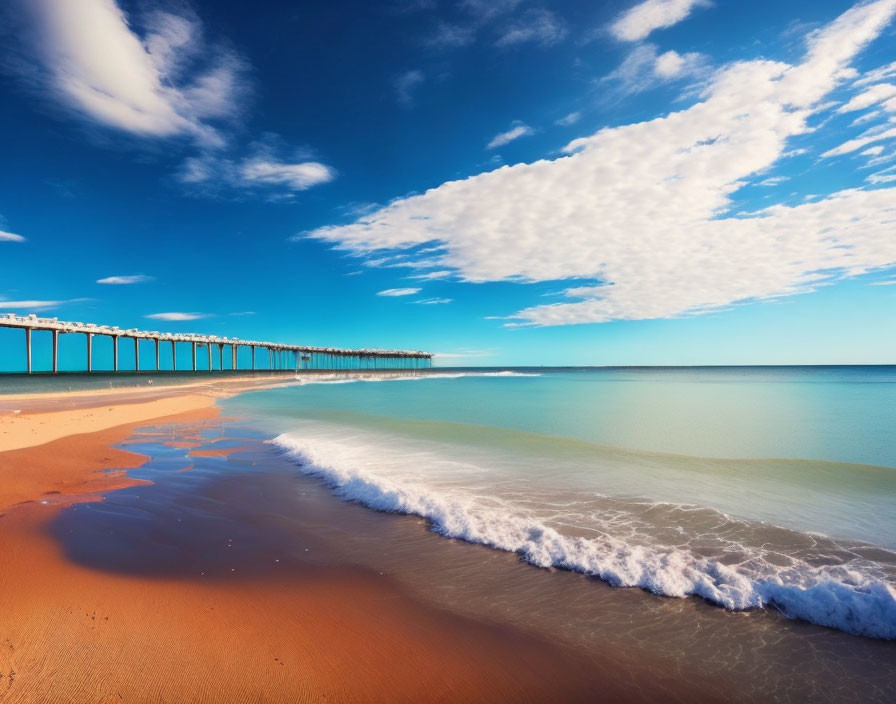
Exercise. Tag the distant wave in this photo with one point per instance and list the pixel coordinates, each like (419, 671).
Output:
(849, 597)
(343, 378)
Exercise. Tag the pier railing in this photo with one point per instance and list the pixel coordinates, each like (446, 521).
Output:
(280, 356)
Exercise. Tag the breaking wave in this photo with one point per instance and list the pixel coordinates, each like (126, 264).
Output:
(850, 592)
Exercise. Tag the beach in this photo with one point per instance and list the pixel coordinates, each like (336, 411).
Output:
(83, 620)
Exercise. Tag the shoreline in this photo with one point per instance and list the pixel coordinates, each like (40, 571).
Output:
(79, 634)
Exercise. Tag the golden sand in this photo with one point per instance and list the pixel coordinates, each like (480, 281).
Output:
(69, 633)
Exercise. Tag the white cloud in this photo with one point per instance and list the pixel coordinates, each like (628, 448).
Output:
(773, 181)
(852, 145)
(499, 140)
(536, 25)
(36, 305)
(884, 176)
(642, 19)
(258, 171)
(645, 68)
(124, 280)
(431, 275)
(670, 64)
(399, 292)
(298, 177)
(645, 208)
(570, 119)
(873, 151)
(10, 237)
(868, 97)
(405, 85)
(433, 301)
(177, 316)
(877, 75)
(164, 82)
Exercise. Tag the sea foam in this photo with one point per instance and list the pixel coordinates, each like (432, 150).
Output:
(361, 376)
(847, 596)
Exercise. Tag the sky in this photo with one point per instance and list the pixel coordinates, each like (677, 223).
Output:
(503, 182)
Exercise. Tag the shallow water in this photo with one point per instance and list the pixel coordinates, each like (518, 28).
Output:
(255, 513)
(749, 487)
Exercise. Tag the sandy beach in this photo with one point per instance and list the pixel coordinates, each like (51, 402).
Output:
(73, 633)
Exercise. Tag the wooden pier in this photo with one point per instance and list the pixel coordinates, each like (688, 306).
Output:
(280, 356)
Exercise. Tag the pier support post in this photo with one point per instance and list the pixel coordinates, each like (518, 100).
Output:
(157, 353)
(220, 357)
(253, 358)
(90, 352)
(28, 348)
(115, 353)
(55, 351)
(233, 357)
(173, 356)
(194, 356)
(136, 354)
(208, 347)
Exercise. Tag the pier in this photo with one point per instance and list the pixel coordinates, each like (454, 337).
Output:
(280, 357)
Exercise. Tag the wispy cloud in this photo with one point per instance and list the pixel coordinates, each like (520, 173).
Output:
(535, 26)
(508, 21)
(645, 68)
(852, 145)
(399, 292)
(570, 119)
(430, 275)
(448, 35)
(405, 84)
(125, 280)
(484, 10)
(162, 81)
(298, 177)
(773, 181)
(10, 237)
(519, 130)
(645, 211)
(243, 313)
(638, 22)
(176, 316)
(37, 305)
(261, 171)
(871, 96)
(433, 301)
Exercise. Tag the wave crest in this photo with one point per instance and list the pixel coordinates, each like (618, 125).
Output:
(839, 596)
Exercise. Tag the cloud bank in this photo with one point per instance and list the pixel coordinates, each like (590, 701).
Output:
(641, 213)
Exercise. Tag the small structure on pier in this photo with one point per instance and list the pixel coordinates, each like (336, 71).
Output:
(280, 356)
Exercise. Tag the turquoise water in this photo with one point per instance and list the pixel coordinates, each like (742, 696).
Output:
(749, 487)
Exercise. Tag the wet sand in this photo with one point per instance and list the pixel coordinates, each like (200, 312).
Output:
(87, 617)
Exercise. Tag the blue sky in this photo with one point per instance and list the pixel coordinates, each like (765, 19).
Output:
(504, 182)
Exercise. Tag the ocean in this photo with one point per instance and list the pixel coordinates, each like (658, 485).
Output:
(750, 488)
